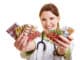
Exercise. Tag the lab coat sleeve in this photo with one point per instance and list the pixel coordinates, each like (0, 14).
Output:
(23, 54)
(67, 55)
(26, 54)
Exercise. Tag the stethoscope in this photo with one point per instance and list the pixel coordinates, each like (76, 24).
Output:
(44, 46)
(41, 42)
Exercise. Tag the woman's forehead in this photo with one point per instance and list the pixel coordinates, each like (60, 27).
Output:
(47, 14)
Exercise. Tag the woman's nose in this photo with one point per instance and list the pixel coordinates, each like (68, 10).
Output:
(48, 22)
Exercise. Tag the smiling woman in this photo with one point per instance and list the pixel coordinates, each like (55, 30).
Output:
(55, 43)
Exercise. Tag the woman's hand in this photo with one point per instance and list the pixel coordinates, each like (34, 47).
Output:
(22, 44)
(61, 41)
(25, 41)
(66, 42)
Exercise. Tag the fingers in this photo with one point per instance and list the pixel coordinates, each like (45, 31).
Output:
(70, 38)
(24, 45)
(65, 40)
(60, 43)
(20, 42)
(61, 40)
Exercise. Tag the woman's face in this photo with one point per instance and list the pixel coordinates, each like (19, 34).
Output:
(49, 21)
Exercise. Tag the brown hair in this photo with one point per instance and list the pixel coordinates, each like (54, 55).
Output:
(49, 7)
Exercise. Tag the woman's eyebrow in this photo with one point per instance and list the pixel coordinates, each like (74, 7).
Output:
(51, 18)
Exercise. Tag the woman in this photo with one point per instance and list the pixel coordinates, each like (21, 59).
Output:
(43, 47)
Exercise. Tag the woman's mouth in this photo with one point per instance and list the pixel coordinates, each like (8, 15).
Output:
(50, 28)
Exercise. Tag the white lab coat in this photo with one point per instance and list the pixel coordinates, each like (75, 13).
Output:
(39, 54)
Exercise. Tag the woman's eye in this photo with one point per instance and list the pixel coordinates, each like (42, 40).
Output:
(51, 18)
(43, 19)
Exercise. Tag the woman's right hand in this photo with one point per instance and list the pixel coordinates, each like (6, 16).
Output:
(22, 43)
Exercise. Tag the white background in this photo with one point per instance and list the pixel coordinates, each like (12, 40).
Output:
(26, 12)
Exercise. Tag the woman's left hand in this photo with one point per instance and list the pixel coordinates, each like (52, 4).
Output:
(66, 43)
(62, 42)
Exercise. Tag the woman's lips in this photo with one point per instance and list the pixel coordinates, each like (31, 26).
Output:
(50, 28)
